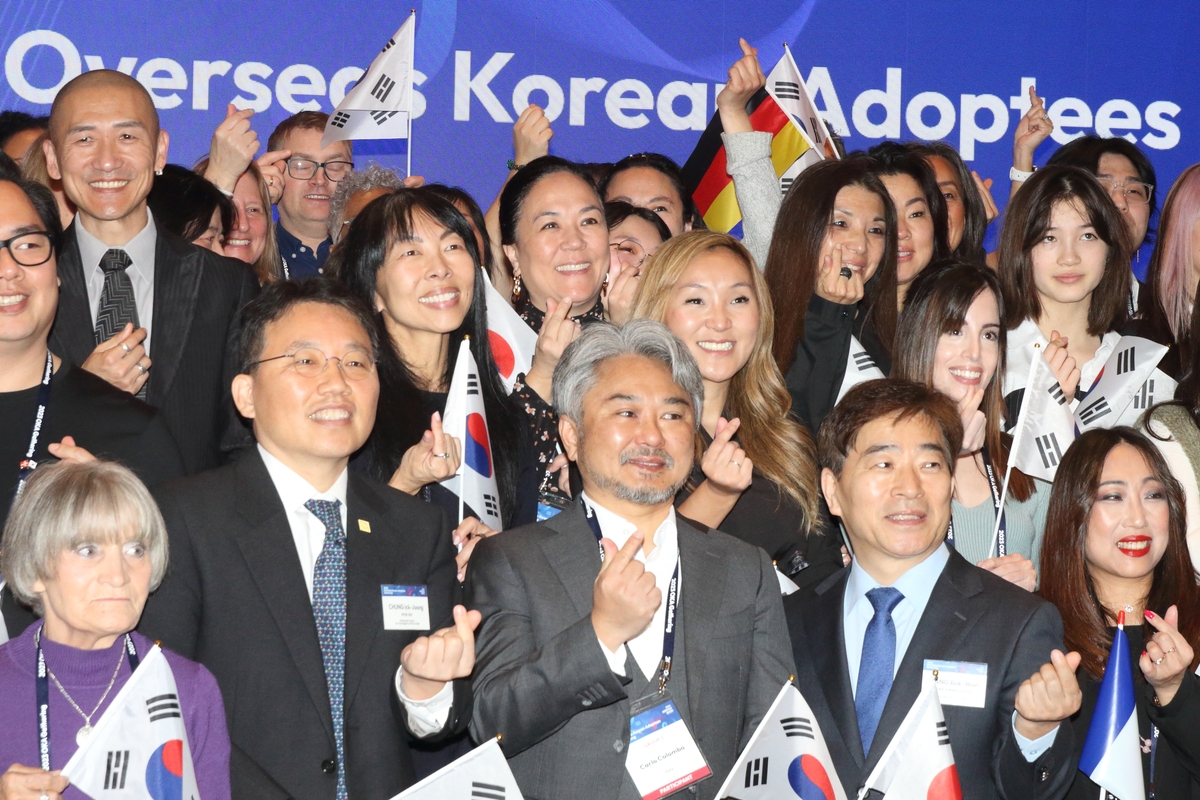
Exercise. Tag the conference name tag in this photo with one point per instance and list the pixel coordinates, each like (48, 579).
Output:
(959, 683)
(663, 757)
(405, 608)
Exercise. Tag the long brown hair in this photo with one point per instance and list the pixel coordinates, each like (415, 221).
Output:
(937, 303)
(1164, 300)
(269, 266)
(1066, 581)
(794, 261)
(781, 449)
(1025, 224)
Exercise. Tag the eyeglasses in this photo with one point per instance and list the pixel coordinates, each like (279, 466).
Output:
(310, 362)
(303, 169)
(629, 252)
(1135, 193)
(29, 249)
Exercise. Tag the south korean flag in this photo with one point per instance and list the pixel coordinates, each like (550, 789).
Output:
(1045, 427)
(380, 104)
(860, 368)
(1129, 383)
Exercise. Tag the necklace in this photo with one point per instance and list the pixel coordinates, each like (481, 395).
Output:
(83, 733)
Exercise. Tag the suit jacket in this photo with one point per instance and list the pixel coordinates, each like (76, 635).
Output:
(197, 298)
(972, 615)
(235, 600)
(542, 680)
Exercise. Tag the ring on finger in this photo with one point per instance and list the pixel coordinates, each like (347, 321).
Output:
(441, 455)
(139, 366)
(126, 347)
(737, 464)
(43, 796)
(846, 272)
(1159, 660)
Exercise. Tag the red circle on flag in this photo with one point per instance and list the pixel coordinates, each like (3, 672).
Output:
(502, 354)
(944, 785)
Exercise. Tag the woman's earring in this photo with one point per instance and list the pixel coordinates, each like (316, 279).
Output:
(158, 172)
(516, 292)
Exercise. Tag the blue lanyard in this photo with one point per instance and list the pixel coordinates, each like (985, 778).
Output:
(28, 465)
(1001, 538)
(668, 650)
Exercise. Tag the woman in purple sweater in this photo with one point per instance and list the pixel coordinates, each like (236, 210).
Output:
(85, 545)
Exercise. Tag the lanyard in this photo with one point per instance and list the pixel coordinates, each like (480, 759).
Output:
(1001, 543)
(664, 667)
(1153, 755)
(28, 465)
(43, 696)
(287, 273)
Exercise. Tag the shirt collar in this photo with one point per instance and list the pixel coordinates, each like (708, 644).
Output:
(916, 584)
(293, 490)
(140, 248)
(619, 529)
(288, 241)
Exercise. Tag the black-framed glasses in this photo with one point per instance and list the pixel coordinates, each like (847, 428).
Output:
(303, 169)
(310, 362)
(29, 249)
(1135, 193)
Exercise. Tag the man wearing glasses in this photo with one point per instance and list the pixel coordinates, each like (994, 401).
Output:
(321, 599)
(310, 174)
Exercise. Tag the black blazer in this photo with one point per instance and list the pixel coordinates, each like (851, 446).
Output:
(197, 297)
(971, 616)
(235, 600)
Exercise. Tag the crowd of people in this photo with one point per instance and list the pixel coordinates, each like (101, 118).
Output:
(731, 463)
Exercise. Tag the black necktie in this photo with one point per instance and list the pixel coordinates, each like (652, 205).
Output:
(117, 302)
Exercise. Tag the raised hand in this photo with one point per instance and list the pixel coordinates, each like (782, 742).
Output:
(468, 534)
(67, 450)
(835, 287)
(430, 662)
(1014, 568)
(1062, 364)
(622, 287)
(624, 597)
(434, 458)
(1049, 696)
(1031, 131)
(974, 421)
(122, 360)
(745, 78)
(531, 135)
(274, 171)
(558, 331)
(233, 146)
(726, 466)
(991, 210)
(30, 783)
(1167, 657)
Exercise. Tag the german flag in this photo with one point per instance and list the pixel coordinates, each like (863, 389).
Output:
(705, 170)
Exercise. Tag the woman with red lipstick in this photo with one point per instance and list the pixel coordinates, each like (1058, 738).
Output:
(1114, 546)
(952, 327)
(761, 486)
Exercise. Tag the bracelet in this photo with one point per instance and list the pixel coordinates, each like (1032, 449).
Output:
(1015, 174)
(514, 165)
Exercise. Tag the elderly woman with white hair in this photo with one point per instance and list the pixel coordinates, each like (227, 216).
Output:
(85, 545)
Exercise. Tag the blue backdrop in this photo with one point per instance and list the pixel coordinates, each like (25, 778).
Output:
(621, 76)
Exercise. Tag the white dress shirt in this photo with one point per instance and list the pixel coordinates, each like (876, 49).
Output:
(647, 646)
(916, 585)
(140, 250)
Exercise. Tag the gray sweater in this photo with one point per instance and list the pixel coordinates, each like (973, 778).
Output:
(748, 162)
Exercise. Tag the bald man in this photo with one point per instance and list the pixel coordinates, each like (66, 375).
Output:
(148, 312)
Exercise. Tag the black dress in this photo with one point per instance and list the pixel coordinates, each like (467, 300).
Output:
(1177, 756)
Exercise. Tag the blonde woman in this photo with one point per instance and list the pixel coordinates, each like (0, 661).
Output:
(758, 478)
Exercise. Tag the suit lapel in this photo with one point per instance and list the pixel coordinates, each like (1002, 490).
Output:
(948, 617)
(702, 578)
(270, 553)
(370, 560)
(823, 625)
(574, 556)
(74, 334)
(177, 273)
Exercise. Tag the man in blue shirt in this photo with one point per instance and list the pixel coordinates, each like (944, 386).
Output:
(864, 638)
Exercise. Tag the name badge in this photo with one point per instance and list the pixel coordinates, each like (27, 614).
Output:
(663, 757)
(405, 608)
(959, 683)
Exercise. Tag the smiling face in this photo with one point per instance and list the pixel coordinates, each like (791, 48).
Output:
(211, 238)
(562, 242)
(645, 187)
(952, 193)
(97, 591)
(1128, 528)
(304, 205)
(893, 494)
(636, 440)
(859, 226)
(426, 284)
(1068, 263)
(305, 420)
(248, 238)
(914, 226)
(966, 358)
(1119, 169)
(28, 295)
(632, 242)
(712, 308)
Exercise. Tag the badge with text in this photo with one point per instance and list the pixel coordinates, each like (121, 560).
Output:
(405, 608)
(663, 757)
(959, 683)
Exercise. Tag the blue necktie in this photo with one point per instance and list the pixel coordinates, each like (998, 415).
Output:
(878, 663)
(329, 608)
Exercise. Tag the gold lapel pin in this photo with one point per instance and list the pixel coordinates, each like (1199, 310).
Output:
(364, 526)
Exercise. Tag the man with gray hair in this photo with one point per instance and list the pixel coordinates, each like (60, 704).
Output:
(354, 192)
(616, 617)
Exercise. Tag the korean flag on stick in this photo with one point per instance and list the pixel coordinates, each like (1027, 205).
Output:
(139, 748)
(1112, 753)
(465, 417)
(918, 763)
(513, 342)
(1045, 427)
(481, 774)
(1127, 385)
(860, 367)
(786, 755)
(380, 104)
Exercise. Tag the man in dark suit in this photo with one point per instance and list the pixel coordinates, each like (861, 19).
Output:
(128, 289)
(864, 637)
(576, 636)
(283, 563)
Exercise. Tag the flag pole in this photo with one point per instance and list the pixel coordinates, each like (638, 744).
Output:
(408, 168)
(462, 459)
(1022, 419)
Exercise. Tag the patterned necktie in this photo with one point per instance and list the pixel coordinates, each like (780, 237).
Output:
(329, 608)
(117, 302)
(877, 665)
